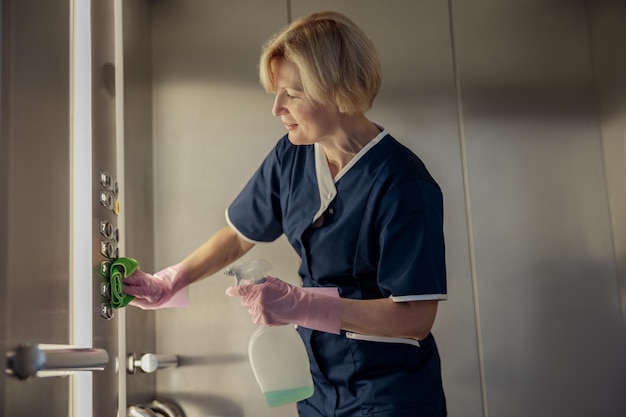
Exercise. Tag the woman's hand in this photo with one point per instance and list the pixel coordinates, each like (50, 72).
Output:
(275, 302)
(154, 291)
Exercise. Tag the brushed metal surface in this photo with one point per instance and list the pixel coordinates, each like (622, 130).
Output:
(607, 30)
(499, 99)
(35, 189)
(138, 189)
(417, 104)
(4, 182)
(199, 103)
(551, 327)
(105, 332)
(212, 126)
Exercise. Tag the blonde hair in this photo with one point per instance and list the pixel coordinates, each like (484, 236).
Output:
(338, 63)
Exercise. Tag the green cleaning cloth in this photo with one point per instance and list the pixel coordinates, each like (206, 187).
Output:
(121, 268)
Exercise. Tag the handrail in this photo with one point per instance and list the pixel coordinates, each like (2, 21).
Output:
(43, 360)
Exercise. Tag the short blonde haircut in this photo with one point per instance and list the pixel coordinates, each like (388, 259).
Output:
(338, 63)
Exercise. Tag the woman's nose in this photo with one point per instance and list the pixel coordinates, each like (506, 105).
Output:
(278, 108)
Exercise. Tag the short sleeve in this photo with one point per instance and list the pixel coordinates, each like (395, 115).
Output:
(256, 213)
(412, 249)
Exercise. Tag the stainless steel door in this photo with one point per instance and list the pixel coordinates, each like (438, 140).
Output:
(36, 193)
(51, 190)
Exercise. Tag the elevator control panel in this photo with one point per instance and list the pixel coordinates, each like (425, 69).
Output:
(109, 238)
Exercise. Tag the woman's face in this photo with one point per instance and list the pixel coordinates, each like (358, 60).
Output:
(306, 121)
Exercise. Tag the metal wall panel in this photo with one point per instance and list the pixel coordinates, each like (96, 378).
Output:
(138, 191)
(607, 27)
(212, 127)
(4, 182)
(105, 332)
(516, 147)
(550, 316)
(199, 102)
(417, 104)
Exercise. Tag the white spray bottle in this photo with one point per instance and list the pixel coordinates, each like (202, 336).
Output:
(277, 354)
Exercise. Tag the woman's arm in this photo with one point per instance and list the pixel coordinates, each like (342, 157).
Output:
(223, 248)
(385, 317)
(154, 291)
(276, 302)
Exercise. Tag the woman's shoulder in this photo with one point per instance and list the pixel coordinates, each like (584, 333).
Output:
(399, 161)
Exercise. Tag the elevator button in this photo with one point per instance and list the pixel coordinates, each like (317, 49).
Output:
(106, 180)
(105, 289)
(106, 229)
(105, 269)
(106, 310)
(105, 249)
(107, 199)
(108, 249)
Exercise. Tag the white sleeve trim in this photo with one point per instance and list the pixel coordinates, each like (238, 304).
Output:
(382, 339)
(244, 237)
(420, 297)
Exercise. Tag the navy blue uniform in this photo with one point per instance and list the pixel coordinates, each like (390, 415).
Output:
(374, 231)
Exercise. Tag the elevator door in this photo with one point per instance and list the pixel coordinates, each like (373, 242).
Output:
(35, 193)
(53, 213)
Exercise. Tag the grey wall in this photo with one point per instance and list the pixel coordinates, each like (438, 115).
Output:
(516, 107)
(212, 127)
(608, 43)
(543, 255)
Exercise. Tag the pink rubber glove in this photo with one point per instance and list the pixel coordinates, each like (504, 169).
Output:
(275, 302)
(160, 290)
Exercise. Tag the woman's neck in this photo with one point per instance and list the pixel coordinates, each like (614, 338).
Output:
(350, 138)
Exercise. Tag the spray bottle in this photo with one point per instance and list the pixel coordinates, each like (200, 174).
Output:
(277, 354)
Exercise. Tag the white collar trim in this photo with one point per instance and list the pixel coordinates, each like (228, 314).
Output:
(325, 182)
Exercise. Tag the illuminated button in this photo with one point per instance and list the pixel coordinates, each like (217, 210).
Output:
(116, 208)
(105, 269)
(105, 289)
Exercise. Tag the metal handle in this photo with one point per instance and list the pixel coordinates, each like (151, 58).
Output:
(167, 408)
(139, 411)
(150, 362)
(158, 407)
(38, 360)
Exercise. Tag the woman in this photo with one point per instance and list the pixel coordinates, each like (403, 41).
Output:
(363, 214)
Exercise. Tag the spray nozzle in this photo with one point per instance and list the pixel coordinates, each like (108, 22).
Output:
(249, 272)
